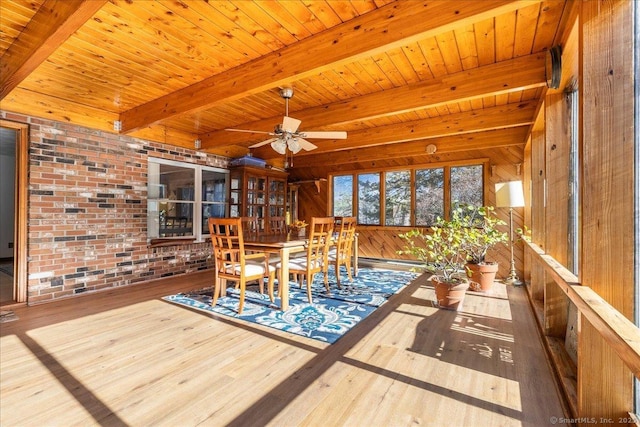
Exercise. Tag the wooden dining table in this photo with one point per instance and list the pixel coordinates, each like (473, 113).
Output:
(284, 245)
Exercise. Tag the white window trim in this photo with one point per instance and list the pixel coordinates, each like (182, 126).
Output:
(198, 235)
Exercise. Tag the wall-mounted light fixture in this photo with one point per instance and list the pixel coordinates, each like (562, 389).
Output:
(197, 144)
(431, 149)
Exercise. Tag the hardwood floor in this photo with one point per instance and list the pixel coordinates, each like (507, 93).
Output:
(6, 289)
(126, 358)
(6, 282)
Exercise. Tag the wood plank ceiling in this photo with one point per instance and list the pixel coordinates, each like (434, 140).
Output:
(459, 74)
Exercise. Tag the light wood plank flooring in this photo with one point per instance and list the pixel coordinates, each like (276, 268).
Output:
(126, 358)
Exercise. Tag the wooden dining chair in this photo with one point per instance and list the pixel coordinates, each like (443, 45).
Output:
(233, 263)
(342, 252)
(315, 261)
(277, 225)
(250, 225)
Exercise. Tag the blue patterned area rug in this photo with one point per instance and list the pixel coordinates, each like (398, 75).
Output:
(327, 319)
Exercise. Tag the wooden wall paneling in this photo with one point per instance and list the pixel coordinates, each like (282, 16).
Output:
(557, 148)
(538, 149)
(601, 392)
(607, 264)
(558, 145)
(526, 184)
(608, 151)
(311, 201)
(556, 308)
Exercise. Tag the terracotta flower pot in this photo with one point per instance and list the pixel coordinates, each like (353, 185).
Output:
(450, 295)
(483, 275)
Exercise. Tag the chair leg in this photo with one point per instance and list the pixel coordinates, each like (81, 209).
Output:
(326, 280)
(216, 290)
(279, 283)
(272, 276)
(338, 274)
(243, 286)
(309, 281)
(348, 265)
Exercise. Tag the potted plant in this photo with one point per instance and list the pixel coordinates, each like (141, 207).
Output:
(441, 252)
(299, 227)
(482, 235)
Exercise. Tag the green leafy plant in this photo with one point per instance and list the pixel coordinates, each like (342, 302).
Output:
(440, 251)
(483, 232)
(524, 233)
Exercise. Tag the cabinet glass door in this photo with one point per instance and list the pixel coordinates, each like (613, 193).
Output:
(235, 196)
(256, 199)
(277, 196)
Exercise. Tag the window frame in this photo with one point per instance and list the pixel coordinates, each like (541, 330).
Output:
(483, 162)
(198, 235)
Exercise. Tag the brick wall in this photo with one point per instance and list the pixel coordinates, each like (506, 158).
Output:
(87, 215)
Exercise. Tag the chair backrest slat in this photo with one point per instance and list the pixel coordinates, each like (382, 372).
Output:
(320, 234)
(228, 243)
(277, 225)
(346, 231)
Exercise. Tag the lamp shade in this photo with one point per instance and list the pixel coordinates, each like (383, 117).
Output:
(509, 194)
(294, 145)
(279, 146)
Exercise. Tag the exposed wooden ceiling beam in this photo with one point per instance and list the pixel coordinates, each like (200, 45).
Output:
(403, 22)
(54, 22)
(501, 117)
(472, 141)
(507, 76)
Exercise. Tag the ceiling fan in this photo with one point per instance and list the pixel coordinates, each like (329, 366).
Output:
(287, 136)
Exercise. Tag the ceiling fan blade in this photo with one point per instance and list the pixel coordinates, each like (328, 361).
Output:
(250, 131)
(306, 145)
(260, 144)
(325, 135)
(289, 124)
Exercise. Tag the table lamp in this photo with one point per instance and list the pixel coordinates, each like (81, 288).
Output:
(510, 195)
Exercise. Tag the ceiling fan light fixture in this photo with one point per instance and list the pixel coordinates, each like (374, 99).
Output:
(287, 135)
(279, 146)
(294, 145)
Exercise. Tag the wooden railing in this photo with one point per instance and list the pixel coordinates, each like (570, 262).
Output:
(600, 383)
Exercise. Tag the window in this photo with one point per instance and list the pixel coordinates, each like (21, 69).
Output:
(429, 195)
(464, 185)
(412, 197)
(343, 195)
(181, 198)
(369, 198)
(574, 183)
(397, 198)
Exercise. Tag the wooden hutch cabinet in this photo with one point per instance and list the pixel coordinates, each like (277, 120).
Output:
(258, 193)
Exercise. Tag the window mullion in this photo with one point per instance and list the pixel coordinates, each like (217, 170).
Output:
(447, 192)
(382, 218)
(412, 184)
(197, 204)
